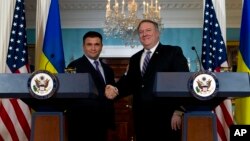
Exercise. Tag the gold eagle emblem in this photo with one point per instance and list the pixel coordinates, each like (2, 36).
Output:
(204, 84)
(42, 83)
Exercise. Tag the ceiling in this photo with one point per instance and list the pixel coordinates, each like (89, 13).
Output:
(175, 13)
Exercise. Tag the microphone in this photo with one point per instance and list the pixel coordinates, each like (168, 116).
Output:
(193, 48)
(51, 57)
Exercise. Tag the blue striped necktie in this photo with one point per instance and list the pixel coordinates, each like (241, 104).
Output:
(145, 63)
(98, 70)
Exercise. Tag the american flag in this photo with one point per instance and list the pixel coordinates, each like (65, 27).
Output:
(213, 57)
(15, 115)
(17, 57)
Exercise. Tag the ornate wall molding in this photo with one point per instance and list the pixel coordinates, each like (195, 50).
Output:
(175, 13)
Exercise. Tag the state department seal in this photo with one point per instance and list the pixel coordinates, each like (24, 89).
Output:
(42, 84)
(203, 85)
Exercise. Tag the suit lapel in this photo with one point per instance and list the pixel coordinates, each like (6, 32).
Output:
(138, 62)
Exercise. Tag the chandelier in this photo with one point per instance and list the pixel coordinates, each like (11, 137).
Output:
(123, 25)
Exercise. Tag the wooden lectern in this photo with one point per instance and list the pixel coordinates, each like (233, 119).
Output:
(199, 121)
(48, 121)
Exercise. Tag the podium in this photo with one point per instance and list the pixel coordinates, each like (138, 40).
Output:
(48, 121)
(199, 115)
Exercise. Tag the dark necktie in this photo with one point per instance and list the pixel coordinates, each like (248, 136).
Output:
(98, 70)
(145, 63)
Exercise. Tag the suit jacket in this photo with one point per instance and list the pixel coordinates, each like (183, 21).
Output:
(166, 58)
(152, 115)
(103, 107)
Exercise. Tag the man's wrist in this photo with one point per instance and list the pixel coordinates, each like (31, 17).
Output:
(178, 113)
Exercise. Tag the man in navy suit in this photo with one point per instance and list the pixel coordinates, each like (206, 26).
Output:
(155, 119)
(89, 119)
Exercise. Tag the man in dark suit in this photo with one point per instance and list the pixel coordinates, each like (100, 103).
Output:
(89, 120)
(155, 119)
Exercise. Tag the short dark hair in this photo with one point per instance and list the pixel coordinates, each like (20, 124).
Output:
(148, 21)
(92, 34)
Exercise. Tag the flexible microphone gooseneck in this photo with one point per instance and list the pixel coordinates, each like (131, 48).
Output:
(193, 48)
(51, 57)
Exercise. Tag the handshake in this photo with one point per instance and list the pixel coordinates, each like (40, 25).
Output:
(111, 92)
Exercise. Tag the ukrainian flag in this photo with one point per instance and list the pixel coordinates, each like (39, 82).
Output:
(49, 37)
(242, 105)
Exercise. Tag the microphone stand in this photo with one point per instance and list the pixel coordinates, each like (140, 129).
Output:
(201, 68)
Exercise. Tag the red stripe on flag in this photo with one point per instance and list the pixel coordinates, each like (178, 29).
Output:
(220, 130)
(17, 71)
(225, 121)
(227, 116)
(21, 117)
(1, 138)
(217, 69)
(8, 123)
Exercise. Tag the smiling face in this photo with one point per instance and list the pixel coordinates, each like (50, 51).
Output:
(92, 47)
(148, 34)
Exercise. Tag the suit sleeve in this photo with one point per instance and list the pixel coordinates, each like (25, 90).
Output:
(180, 63)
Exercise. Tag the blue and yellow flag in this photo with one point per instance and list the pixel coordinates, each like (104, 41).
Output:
(242, 105)
(52, 58)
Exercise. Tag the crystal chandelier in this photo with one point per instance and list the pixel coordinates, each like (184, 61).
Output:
(119, 24)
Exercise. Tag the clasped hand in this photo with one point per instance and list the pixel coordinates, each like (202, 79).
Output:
(111, 92)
